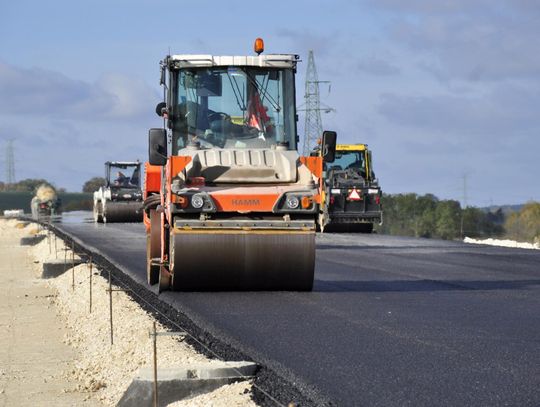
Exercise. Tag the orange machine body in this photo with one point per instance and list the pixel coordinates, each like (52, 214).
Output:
(152, 185)
(239, 198)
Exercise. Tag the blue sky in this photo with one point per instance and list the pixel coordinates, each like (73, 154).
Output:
(439, 90)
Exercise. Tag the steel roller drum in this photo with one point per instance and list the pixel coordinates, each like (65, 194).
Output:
(123, 212)
(242, 260)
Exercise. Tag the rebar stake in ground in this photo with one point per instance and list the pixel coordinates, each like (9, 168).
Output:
(72, 266)
(90, 279)
(110, 307)
(110, 291)
(154, 334)
(155, 366)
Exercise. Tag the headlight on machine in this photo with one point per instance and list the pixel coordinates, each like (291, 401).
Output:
(296, 201)
(292, 202)
(197, 201)
(187, 201)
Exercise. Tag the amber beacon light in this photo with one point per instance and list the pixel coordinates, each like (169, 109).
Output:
(258, 46)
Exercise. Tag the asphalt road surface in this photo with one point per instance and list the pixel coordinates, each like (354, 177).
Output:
(391, 321)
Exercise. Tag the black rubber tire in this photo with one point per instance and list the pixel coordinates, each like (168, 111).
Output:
(349, 228)
(365, 227)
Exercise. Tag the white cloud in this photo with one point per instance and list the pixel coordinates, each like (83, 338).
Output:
(35, 91)
(469, 40)
(65, 129)
(131, 96)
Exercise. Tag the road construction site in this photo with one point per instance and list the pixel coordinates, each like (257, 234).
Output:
(226, 275)
(391, 321)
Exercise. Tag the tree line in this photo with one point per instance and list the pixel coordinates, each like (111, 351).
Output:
(31, 184)
(427, 216)
(19, 194)
(27, 185)
(524, 226)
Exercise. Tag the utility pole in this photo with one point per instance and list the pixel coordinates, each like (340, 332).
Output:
(464, 191)
(10, 162)
(312, 106)
(462, 232)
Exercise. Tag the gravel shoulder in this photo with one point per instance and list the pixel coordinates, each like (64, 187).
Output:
(33, 355)
(98, 372)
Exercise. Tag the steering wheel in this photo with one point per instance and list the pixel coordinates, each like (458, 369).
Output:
(218, 116)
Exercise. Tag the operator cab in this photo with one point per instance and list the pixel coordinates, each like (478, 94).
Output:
(123, 175)
(232, 102)
(353, 161)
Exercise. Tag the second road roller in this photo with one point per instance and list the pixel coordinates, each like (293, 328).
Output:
(230, 204)
(120, 199)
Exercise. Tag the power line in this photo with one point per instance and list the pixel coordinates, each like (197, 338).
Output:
(313, 124)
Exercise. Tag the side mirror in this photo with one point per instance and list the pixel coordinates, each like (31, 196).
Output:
(328, 146)
(157, 146)
(159, 108)
(162, 73)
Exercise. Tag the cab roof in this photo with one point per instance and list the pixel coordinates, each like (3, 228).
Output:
(351, 147)
(262, 61)
(128, 163)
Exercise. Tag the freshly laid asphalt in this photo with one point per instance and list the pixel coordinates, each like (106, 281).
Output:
(391, 321)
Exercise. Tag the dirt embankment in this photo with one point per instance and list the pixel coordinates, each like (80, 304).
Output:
(101, 371)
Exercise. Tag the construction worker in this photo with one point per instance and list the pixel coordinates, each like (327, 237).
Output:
(257, 114)
(121, 179)
(359, 166)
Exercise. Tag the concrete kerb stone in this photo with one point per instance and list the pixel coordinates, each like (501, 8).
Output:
(55, 268)
(176, 384)
(32, 240)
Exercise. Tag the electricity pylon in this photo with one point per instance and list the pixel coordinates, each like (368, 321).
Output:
(312, 106)
(10, 163)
